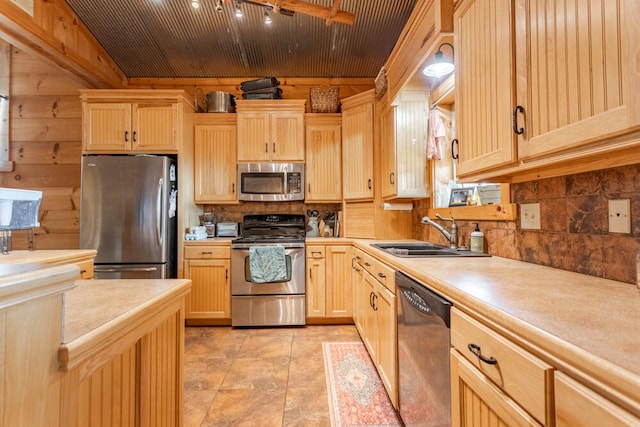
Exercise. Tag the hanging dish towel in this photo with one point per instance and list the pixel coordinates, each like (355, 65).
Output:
(267, 264)
(436, 131)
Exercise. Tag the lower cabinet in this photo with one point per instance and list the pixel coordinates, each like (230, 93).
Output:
(208, 267)
(494, 381)
(578, 405)
(375, 318)
(329, 295)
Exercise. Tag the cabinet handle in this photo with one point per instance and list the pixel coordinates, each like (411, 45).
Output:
(353, 263)
(206, 253)
(316, 252)
(274, 147)
(375, 306)
(226, 274)
(371, 299)
(266, 147)
(518, 109)
(369, 183)
(392, 177)
(134, 136)
(309, 188)
(126, 136)
(381, 275)
(233, 187)
(475, 349)
(454, 149)
(367, 264)
(310, 275)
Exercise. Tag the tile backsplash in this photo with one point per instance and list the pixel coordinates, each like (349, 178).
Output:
(574, 232)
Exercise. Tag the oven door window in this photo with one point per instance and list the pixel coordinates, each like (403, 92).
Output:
(262, 183)
(247, 271)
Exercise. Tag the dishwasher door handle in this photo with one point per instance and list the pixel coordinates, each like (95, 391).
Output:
(475, 349)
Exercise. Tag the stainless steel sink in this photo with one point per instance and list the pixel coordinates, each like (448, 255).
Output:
(424, 250)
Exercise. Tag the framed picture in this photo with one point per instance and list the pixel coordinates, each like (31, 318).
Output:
(460, 196)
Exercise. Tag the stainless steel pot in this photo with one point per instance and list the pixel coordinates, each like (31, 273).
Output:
(220, 102)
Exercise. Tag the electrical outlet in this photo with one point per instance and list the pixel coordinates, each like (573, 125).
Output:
(620, 216)
(530, 216)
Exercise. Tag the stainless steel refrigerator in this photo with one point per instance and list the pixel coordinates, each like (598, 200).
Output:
(128, 214)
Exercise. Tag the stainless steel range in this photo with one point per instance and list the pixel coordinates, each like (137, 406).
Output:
(268, 271)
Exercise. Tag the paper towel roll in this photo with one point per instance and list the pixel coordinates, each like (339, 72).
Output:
(397, 206)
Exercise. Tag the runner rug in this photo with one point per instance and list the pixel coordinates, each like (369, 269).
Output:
(356, 394)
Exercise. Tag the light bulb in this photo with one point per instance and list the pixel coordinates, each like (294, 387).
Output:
(195, 4)
(267, 18)
(239, 13)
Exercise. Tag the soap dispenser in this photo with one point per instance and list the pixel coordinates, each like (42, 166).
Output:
(477, 240)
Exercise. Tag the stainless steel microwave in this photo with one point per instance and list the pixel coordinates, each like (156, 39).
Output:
(271, 182)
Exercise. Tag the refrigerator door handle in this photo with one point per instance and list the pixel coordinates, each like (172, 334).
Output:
(114, 270)
(159, 208)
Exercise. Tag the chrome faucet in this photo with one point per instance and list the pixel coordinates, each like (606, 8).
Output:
(451, 235)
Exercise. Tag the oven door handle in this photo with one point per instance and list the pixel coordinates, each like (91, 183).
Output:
(245, 246)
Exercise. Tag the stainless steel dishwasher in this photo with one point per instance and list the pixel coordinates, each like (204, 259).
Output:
(423, 355)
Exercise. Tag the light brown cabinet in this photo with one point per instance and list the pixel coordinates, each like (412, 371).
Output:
(122, 121)
(540, 88)
(270, 130)
(500, 377)
(323, 173)
(215, 151)
(375, 318)
(329, 294)
(357, 146)
(208, 267)
(403, 128)
(578, 405)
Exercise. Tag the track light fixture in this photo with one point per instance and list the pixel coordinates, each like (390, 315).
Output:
(440, 66)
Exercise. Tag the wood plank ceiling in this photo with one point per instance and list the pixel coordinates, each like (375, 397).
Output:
(171, 39)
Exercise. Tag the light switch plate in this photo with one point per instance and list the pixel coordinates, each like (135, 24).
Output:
(530, 216)
(620, 216)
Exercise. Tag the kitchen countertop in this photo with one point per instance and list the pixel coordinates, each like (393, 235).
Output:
(98, 311)
(46, 256)
(583, 325)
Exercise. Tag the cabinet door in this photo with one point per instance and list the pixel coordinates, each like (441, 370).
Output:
(338, 292)
(411, 144)
(287, 136)
(316, 301)
(210, 296)
(357, 152)
(253, 137)
(477, 402)
(369, 320)
(107, 126)
(323, 172)
(155, 127)
(358, 291)
(387, 341)
(388, 172)
(485, 89)
(578, 80)
(215, 163)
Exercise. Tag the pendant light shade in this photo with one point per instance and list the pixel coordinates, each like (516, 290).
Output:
(440, 66)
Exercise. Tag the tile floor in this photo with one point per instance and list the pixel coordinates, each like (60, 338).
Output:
(258, 377)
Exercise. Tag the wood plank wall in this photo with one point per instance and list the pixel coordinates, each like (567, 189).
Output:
(46, 146)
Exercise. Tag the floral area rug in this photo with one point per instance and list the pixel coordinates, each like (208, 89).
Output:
(356, 394)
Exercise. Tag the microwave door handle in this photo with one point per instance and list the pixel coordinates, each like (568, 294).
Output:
(286, 182)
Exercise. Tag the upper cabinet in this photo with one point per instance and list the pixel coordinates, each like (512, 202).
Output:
(404, 146)
(122, 121)
(544, 88)
(270, 130)
(578, 79)
(357, 146)
(485, 90)
(323, 171)
(215, 158)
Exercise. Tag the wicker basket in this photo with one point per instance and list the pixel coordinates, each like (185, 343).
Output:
(324, 100)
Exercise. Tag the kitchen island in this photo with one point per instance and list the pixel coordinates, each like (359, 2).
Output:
(89, 352)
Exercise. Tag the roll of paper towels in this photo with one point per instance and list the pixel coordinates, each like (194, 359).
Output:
(397, 206)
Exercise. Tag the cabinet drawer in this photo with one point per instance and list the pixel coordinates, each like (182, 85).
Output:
(577, 405)
(86, 269)
(315, 252)
(207, 252)
(524, 377)
(386, 275)
(369, 264)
